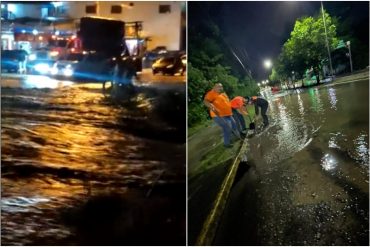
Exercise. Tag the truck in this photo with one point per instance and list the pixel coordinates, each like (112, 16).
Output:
(106, 54)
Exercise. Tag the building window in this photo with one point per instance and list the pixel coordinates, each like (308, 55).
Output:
(163, 9)
(116, 9)
(91, 9)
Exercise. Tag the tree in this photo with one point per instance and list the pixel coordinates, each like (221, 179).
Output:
(306, 47)
(208, 64)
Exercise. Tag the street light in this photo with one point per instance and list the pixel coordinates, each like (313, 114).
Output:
(348, 44)
(267, 63)
(326, 38)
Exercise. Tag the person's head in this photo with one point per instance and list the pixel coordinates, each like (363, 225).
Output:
(218, 88)
(247, 100)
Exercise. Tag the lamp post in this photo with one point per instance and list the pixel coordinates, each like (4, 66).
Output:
(348, 44)
(326, 39)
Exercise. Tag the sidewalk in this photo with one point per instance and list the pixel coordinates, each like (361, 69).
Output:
(357, 75)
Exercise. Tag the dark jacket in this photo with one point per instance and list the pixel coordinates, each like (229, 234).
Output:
(259, 102)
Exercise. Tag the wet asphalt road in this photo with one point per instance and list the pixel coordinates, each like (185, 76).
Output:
(82, 167)
(306, 181)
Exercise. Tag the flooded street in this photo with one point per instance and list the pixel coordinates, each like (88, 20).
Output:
(306, 181)
(81, 167)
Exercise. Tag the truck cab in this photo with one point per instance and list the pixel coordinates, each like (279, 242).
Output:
(107, 55)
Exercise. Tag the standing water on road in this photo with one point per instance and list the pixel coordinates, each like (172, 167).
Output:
(307, 180)
(81, 167)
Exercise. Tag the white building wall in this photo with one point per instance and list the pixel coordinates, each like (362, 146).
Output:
(25, 10)
(163, 29)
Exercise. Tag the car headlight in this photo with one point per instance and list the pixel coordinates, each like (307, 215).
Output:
(169, 66)
(54, 70)
(42, 68)
(68, 71)
(32, 57)
(54, 53)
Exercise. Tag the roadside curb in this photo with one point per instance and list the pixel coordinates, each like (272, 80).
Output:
(211, 223)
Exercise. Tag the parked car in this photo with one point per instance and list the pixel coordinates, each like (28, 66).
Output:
(170, 65)
(66, 65)
(12, 60)
(41, 61)
(156, 53)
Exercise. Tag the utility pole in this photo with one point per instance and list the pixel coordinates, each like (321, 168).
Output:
(326, 38)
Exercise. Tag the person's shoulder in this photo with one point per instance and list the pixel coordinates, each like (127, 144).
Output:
(209, 94)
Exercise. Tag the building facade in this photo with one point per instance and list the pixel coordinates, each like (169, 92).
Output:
(158, 23)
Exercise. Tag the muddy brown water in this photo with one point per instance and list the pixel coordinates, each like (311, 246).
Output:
(81, 167)
(307, 178)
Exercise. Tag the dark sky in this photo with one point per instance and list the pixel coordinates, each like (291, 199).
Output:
(257, 30)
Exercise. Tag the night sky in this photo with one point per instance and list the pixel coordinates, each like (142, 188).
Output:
(257, 30)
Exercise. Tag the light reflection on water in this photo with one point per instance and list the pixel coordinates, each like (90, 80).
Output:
(313, 166)
(328, 162)
(332, 98)
(59, 147)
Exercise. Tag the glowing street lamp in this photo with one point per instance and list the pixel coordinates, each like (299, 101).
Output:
(267, 63)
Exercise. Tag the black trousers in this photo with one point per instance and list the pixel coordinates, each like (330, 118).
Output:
(239, 119)
(263, 114)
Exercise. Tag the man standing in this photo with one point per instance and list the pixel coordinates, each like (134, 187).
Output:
(259, 103)
(220, 110)
(238, 108)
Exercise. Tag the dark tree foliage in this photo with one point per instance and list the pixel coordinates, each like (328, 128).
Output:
(210, 62)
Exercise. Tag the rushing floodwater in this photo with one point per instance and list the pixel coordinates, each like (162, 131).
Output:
(307, 181)
(82, 168)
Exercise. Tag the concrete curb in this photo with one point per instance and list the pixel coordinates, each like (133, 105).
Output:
(210, 225)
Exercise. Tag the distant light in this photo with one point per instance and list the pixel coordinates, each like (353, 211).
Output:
(32, 57)
(40, 37)
(54, 70)
(259, 84)
(23, 31)
(12, 8)
(35, 32)
(3, 6)
(57, 4)
(68, 72)
(42, 68)
(57, 32)
(267, 63)
(54, 53)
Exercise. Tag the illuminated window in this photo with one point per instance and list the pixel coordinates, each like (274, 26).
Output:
(163, 9)
(116, 9)
(91, 9)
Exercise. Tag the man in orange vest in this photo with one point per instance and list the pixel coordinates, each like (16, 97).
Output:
(220, 110)
(238, 108)
(259, 103)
